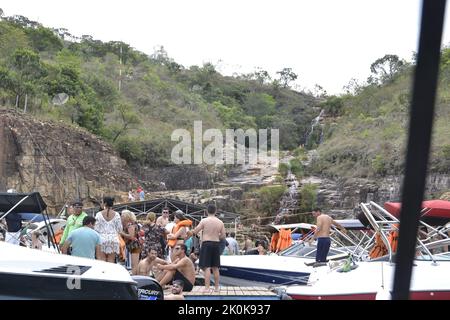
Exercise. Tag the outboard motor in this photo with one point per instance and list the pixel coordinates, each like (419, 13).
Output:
(148, 288)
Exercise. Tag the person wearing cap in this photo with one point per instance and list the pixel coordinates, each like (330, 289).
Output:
(74, 221)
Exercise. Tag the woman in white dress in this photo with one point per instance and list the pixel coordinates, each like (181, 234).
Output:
(108, 225)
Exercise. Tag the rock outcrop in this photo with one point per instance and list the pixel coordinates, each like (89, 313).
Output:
(342, 196)
(180, 177)
(60, 161)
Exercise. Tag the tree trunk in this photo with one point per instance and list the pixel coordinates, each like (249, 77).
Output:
(26, 101)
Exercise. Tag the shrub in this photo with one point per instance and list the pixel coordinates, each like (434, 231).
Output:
(283, 169)
(270, 198)
(129, 149)
(296, 167)
(308, 197)
(379, 164)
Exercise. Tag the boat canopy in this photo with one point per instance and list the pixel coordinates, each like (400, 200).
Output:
(22, 202)
(349, 224)
(436, 211)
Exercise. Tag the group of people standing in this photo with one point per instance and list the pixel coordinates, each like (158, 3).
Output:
(157, 247)
(135, 195)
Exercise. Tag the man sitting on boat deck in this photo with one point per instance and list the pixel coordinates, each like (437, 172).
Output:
(148, 264)
(181, 268)
(322, 234)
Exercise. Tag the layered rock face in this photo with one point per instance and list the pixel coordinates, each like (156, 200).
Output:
(60, 161)
(177, 177)
(341, 196)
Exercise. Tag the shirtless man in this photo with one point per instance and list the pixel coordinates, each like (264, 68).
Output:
(181, 269)
(146, 266)
(322, 234)
(176, 291)
(213, 232)
(164, 218)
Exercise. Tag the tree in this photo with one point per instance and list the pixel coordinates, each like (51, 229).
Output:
(286, 77)
(333, 106)
(6, 82)
(319, 91)
(128, 118)
(353, 87)
(384, 69)
(23, 21)
(64, 79)
(259, 104)
(43, 39)
(260, 75)
(25, 71)
(161, 56)
(11, 38)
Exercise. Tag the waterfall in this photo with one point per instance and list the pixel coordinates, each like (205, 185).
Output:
(289, 200)
(314, 123)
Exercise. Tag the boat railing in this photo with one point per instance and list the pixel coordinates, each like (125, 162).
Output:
(359, 244)
(384, 222)
(378, 226)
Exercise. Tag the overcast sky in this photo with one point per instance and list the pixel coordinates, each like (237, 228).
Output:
(326, 42)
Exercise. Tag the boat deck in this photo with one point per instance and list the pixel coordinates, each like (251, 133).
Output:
(231, 293)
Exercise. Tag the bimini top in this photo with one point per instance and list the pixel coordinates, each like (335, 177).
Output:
(33, 202)
(349, 224)
(439, 209)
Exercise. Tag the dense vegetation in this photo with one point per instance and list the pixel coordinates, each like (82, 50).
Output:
(134, 100)
(365, 131)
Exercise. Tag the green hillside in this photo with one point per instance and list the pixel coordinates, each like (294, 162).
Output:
(367, 135)
(156, 94)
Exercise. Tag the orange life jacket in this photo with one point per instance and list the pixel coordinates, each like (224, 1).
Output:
(274, 241)
(379, 249)
(393, 237)
(184, 223)
(285, 239)
(58, 235)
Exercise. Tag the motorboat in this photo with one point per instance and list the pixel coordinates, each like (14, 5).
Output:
(42, 230)
(373, 279)
(27, 273)
(34, 274)
(292, 265)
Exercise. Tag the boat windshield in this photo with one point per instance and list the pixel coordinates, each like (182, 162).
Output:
(307, 251)
(443, 256)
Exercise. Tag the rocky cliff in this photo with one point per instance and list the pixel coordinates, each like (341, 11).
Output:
(341, 196)
(60, 161)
